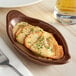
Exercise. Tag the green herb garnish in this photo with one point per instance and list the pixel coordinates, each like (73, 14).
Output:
(41, 39)
(47, 47)
(32, 29)
(39, 46)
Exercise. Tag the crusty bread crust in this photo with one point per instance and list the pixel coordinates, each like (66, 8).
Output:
(22, 33)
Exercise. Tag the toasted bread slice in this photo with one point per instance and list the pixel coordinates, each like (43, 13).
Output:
(19, 25)
(34, 35)
(22, 33)
(47, 46)
(32, 38)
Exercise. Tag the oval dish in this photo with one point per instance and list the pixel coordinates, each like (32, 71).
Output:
(14, 17)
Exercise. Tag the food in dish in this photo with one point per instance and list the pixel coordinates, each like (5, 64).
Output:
(40, 42)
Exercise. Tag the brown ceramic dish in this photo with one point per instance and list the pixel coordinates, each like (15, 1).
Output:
(14, 17)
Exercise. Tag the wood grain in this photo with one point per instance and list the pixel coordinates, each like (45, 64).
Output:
(44, 11)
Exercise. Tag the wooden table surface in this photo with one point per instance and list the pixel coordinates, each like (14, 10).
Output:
(44, 11)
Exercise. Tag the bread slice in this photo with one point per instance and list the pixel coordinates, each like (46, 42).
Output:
(19, 25)
(47, 46)
(32, 38)
(34, 35)
(22, 33)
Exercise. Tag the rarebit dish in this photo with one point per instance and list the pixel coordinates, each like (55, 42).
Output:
(40, 42)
